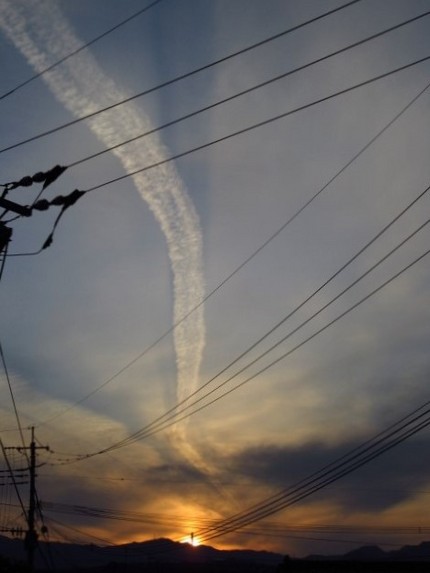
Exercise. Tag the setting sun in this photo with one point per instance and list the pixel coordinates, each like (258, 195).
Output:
(191, 540)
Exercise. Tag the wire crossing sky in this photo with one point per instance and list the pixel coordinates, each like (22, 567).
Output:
(174, 80)
(260, 121)
(255, 253)
(77, 50)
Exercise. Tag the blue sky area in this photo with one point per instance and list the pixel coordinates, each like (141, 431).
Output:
(89, 327)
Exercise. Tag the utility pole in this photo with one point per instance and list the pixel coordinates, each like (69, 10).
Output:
(30, 540)
(15, 207)
(6, 232)
(31, 535)
(47, 178)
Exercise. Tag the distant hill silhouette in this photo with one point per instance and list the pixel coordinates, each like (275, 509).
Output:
(161, 555)
(373, 553)
(72, 556)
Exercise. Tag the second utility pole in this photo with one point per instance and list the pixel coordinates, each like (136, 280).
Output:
(31, 536)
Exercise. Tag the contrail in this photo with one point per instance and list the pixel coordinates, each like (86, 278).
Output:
(42, 34)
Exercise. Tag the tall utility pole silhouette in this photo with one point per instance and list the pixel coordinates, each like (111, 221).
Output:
(30, 540)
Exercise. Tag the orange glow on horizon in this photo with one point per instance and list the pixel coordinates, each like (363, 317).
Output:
(191, 540)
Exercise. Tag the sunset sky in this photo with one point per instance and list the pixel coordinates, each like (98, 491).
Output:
(165, 288)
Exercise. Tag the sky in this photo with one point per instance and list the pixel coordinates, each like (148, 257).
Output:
(168, 281)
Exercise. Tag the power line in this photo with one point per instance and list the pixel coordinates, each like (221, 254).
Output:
(292, 534)
(243, 92)
(321, 479)
(343, 528)
(249, 258)
(176, 416)
(269, 528)
(260, 123)
(82, 533)
(12, 476)
(11, 394)
(287, 535)
(172, 413)
(231, 135)
(121, 515)
(332, 479)
(227, 137)
(355, 451)
(371, 449)
(222, 139)
(183, 76)
(83, 47)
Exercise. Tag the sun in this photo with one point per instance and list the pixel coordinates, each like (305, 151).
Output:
(191, 540)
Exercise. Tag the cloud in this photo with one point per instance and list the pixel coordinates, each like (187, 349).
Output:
(383, 484)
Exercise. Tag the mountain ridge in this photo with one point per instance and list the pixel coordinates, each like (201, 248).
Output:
(166, 551)
(373, 553)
